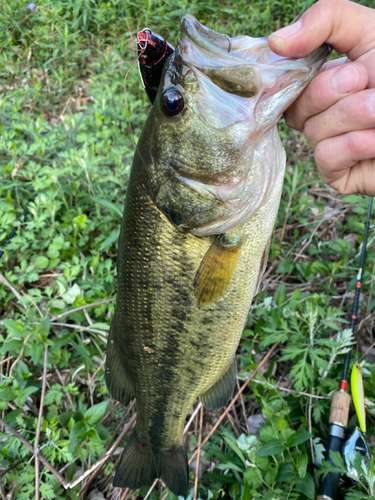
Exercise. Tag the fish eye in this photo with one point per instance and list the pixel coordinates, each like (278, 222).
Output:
(172, 102)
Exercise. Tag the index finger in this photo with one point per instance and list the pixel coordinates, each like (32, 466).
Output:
(327, 88)
(347, 26)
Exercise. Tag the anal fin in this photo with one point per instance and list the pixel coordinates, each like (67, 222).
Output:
(221, 392)
(119, 384)
(216, 270)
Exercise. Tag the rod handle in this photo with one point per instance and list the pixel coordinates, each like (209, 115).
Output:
(340, 408)
(338, 419)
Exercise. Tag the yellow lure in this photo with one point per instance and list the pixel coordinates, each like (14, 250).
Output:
(358, 395)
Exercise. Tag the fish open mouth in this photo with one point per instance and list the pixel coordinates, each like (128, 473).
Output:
(243, 65)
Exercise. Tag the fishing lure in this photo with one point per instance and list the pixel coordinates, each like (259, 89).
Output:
(358, 395)
(153, 52)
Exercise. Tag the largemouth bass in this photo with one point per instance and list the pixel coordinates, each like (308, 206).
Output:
(201, 204)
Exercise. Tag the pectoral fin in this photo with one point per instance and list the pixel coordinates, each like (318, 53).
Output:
(118, 382)
(219, 394)
(216, 270)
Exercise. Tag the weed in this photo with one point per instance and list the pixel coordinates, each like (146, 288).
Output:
(58, 274)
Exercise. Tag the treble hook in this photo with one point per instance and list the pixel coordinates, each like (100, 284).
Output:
(229, 42)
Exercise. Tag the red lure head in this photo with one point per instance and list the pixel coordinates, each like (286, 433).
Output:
(153, 51)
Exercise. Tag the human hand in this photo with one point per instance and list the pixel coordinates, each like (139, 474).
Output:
(336, 111)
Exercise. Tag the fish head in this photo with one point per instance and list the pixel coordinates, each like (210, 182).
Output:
(215, 153)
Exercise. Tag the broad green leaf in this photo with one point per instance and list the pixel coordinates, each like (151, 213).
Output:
(36, 352)
(280, 295)
(285, 266)
(272, 447)
(77, 434)
(230, 466)
(95, 413)
(235, 448)
(115, 208)
(22, 395)
(287, 472)
(80, 220)
(11, 345)
(281, 424)
(70, 295)
(296, 293)
(100, 326)
(64, 418)
(44, 327)
(307, 486)
(251, 476)
(246, 495)
(112, 238)
(41, 262)
(302, 461)
(58, 304)
(14, 328)
(7, 395)
(297, 438)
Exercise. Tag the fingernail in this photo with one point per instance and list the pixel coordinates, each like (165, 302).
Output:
(345, 80)
(371, 103)
(288, 31)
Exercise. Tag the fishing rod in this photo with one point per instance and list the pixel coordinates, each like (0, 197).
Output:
(338, 418)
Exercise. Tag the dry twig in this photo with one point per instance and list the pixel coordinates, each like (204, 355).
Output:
(19, 356)
(192, 417)
(235, 428)
(151, 488)
(99, 463)
(50, 467)
(5, 282)
(295, 394)
(243, 387)
(31, 449)
(199, 454)
(37, 435)
(187, 426)
(123, 496)
(243, 408)
(86, 306)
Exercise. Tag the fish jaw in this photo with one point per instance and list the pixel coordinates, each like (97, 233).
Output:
(246, 67)
(206, 173)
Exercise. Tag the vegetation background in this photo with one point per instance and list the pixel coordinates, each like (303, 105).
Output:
(70, 62)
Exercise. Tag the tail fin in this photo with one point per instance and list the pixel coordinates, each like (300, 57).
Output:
(139, 466)
(174, 469)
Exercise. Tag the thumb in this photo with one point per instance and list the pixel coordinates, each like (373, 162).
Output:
(345, 25)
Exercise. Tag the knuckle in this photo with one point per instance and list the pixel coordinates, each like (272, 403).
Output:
(341, 113)
(292, 117)
(328, 5)
(309, 98)
(309, 130)
(352, 144)
(320, 155)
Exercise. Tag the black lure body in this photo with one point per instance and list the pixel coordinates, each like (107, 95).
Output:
(153, 52)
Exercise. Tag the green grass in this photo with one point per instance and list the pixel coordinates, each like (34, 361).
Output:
(53, 61)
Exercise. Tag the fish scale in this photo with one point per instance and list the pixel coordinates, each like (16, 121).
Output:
(200, 207)
(194, 346)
